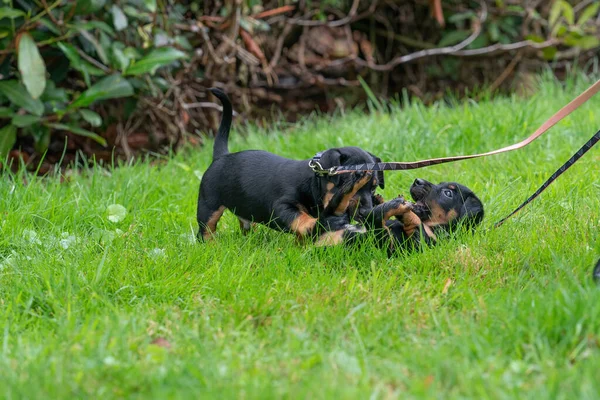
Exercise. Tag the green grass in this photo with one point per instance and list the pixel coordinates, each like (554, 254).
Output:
(83, 298)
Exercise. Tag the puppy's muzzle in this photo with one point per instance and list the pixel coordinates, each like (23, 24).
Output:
(420, 189)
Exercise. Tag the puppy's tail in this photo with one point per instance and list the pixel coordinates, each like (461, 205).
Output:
(220, 147)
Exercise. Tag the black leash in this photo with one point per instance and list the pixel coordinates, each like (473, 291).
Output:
(584, 149)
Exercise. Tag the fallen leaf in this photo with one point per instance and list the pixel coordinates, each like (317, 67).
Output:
(116, 212)
(447, 286)
(161, 342)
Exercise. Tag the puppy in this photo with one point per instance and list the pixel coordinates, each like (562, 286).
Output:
(284, 194)
(399, 224)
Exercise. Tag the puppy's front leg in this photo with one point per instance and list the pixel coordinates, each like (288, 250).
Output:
(389, 233)
(292, 217)
(407, 230)
(380, 214)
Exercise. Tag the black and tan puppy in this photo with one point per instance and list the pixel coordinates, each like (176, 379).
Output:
(281, 193)
(437, 208)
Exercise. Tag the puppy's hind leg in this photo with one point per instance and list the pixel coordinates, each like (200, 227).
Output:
(208, 216)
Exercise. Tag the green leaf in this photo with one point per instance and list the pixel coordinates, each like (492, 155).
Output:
(589, 12)
(458, 17)
(6, 112)
(137, 13)
(41, 137)
(183, 43)
(494, 31)
(88, 6)
(77, 62)
(8, 137)
(11, 13)
(568, 12)
(49, 25)
(18, 95)
(54, 94)
(119, 59)
(79, 131)
(22, 121)
(89, 25)
(585, 42)
(99, 50)
(534, 38)
(452, 38)
(91, 117)
(31, 66)
(111, 87)
(119, 18)
(150, 5)
(559, 30)
(549, 53)
(156, 59)
(555, 12)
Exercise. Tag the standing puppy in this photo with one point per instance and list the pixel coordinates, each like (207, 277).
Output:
(281, 193)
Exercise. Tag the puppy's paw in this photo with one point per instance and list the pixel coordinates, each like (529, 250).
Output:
(378, 199)
(356, 181)
(396, 207)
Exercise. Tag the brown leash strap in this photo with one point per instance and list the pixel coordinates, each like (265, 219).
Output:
(396, 166)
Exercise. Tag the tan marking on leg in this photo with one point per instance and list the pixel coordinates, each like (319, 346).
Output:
(329, 195)
(211, 224)
(303, 224)
(343, 206)
(331, 238)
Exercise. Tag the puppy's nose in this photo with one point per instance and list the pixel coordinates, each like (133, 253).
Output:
(419, 182)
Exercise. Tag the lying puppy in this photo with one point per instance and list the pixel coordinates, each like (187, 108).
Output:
(398, 224)
(437, 208)
(283, 194)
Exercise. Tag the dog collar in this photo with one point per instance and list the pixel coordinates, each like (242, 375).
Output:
(315, 164)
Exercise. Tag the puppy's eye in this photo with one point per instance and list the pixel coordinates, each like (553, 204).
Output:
(448, 193)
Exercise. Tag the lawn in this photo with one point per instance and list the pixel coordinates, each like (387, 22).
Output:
(93, 308)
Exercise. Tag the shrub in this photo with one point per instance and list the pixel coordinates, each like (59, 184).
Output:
(110, 78)
(62, 60)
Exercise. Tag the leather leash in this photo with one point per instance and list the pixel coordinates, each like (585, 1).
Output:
(396, 166)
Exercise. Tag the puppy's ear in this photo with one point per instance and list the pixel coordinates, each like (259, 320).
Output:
(332, 158)
(471, 212)
(379, 173)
